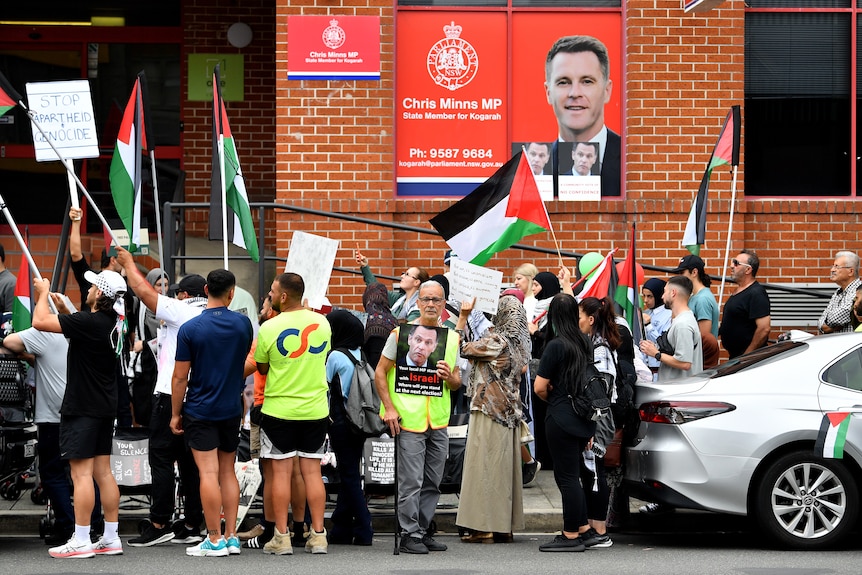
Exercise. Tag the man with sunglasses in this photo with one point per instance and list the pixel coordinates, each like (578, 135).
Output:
(418, 422)
(746, 322)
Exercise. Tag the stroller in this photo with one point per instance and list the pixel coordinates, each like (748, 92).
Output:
(17, 430)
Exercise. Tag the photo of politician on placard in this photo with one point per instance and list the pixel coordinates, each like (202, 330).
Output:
(420, 347)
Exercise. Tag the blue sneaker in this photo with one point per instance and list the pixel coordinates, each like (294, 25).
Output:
(207, 548)
(233, 546)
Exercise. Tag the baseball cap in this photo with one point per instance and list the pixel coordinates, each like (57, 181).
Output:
(110, 283)
(689, 262)
(193, 284)
(448, 256)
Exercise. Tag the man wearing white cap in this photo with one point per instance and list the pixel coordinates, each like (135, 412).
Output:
(90, 404)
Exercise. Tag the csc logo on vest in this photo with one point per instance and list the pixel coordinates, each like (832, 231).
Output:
(303, 345)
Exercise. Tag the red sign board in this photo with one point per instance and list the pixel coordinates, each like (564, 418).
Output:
(462, 106)
(333, 48)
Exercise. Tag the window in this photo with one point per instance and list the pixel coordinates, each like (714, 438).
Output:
(847, 371)
(799, 139)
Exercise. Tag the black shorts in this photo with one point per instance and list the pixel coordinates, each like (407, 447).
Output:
(282, 438)
(203, 435)
(83, 437)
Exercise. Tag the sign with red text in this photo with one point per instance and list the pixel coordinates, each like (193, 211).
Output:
(451, 101)
(333, 48)
(462, 107)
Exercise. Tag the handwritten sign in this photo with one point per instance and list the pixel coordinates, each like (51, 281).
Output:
(469, 281)
(130, 461)
(379, 454)
(64, 111)
(312, 257)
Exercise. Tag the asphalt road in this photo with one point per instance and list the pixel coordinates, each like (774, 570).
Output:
(702, 544)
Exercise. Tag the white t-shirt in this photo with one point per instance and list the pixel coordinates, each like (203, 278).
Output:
(174, 313)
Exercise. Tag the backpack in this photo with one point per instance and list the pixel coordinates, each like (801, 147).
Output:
(592, 398)
(362, 409)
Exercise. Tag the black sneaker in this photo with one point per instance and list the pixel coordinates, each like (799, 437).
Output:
(152, 535)
(57, 538)
(593, 540)
(655, 509)
(183, 534)
(412, 545)
(299, 536)
(259, 541)
(530, 472)
(563, 543)
(433, 545)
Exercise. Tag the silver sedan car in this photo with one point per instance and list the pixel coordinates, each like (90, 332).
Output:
(740, 439)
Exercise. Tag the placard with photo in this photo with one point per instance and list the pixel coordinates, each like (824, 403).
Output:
(420, 347)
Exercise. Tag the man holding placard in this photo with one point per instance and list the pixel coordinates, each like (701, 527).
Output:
(415, 404)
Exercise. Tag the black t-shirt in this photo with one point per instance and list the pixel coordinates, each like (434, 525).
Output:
(740, 314)
(551, 367)
(91, 388)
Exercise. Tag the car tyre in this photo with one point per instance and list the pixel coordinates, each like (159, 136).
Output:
(806, 502)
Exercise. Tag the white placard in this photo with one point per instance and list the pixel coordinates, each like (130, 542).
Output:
(312, 257)
(580, 188)
(469, 281)
(64, 111)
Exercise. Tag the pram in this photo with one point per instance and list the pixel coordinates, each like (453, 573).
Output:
(17, 430)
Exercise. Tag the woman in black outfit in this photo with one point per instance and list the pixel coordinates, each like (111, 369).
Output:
(566, 354)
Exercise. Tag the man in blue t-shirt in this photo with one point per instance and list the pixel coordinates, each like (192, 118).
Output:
(213, 347)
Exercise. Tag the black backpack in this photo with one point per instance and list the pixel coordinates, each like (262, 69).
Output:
(362, 408)
(592, 398)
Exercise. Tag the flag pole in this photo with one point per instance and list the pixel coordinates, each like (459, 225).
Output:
(218, 115)
(553, 235)
(729, 233)
(25, 251)
(71, 171)
(151, 144)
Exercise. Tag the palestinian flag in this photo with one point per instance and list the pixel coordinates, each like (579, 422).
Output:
(603, 281)
(498, 214)
(726, 152)
(22, 310)
(126, 166)
(9, 98)
(626, 295)
(833, 432)
(227, 177)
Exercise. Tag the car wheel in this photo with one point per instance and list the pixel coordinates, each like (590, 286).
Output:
(806, 502)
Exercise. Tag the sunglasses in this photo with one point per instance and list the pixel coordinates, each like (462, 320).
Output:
(736, 262)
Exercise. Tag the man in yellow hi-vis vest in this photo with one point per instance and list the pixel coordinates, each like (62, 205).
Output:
(415, 404)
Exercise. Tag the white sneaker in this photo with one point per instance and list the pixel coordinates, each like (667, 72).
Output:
(207, 548)
(73, 549)
(103, 547)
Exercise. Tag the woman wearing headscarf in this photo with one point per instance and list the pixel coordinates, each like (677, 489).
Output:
(656, 316)
(545, 286)
(351, 521)
(380, 321)
(491, 490)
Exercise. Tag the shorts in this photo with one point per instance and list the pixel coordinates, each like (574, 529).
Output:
(83, 437)
(203, 435)
(254, 440)
(283, 439)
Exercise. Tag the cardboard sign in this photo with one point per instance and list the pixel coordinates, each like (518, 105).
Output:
(130, 462)
(64, 111)
(469, 281)
(312, 257)
(420, 347)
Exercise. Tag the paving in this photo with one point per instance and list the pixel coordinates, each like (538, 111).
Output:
(542, 510)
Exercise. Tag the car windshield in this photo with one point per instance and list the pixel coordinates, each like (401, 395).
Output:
(762, 356)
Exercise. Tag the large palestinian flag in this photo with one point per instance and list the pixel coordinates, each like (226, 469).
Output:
(126, 166)
(496, 215)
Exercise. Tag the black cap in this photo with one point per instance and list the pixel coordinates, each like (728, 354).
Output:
(193, 285)
(690, 262)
